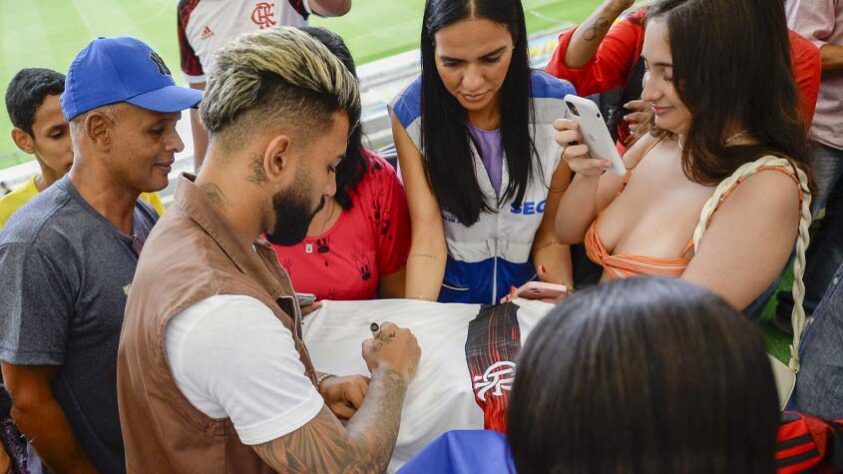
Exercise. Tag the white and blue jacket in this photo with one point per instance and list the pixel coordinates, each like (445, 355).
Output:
(485, 259)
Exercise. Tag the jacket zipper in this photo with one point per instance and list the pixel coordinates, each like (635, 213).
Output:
(495, 262)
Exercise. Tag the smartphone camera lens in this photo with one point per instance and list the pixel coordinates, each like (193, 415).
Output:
(573, 109)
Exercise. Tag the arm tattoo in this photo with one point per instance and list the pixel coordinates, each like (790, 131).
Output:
(258, 174)
(216, 195)
(600, 24)
(383, 339)
(324, 445)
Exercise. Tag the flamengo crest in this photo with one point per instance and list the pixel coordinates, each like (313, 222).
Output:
(497, 378)
(263, 15)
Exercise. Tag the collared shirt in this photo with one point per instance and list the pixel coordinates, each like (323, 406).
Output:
(821, 22)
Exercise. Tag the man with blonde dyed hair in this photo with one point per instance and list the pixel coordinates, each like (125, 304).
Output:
(212, 373)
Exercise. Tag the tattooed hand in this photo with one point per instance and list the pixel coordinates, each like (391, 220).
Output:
(395, 349)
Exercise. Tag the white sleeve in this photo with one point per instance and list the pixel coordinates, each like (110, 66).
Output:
(232, 358)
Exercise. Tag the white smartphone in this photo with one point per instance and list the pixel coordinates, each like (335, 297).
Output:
(536, 290)
(594, 131)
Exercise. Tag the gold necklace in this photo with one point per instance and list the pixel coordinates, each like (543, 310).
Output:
(308, 247)
(328, 216)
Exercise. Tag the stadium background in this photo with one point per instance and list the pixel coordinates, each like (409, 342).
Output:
(49, 33)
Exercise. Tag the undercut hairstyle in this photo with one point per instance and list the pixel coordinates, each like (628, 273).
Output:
(732, 65)
(445, 139)
(26, 93)
(353, 167)
(644, 375)
(278, 77)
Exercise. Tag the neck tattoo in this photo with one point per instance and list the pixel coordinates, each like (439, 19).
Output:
(216, 195)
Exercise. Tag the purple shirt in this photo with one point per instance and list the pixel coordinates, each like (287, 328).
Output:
(489, 146)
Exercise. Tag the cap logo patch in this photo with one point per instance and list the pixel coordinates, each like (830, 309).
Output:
(159, 63)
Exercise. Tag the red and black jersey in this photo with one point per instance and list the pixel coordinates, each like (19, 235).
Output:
(204, 26)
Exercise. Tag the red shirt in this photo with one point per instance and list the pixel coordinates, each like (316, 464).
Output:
(611, 65)
(620, 49)
(369, 240)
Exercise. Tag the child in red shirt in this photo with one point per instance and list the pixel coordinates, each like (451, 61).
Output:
(349, 254)
(357, 245)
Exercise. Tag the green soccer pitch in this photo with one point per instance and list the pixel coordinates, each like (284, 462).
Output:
(49, 33)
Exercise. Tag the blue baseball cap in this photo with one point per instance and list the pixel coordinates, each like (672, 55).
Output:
(111, 70)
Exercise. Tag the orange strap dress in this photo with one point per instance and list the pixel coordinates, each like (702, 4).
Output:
(627, 265)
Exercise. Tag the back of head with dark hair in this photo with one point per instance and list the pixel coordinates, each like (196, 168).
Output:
(732, 66)
(353, 167)
(27, 92)
(644, 375)
(445, 136)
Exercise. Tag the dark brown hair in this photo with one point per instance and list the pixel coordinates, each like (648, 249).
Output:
(644, 375)
(26, 93)
(445, 137)
(732, 65)
(353, 167)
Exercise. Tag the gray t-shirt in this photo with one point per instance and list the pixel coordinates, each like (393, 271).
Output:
(65, 271)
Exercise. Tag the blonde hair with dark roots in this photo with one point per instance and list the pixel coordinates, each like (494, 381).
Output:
(277, 76)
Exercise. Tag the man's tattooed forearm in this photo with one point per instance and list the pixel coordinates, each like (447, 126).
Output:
(258, 174)
(318, 446)
(365, 445)
(379, 418)
(216, 195)
(601, 24)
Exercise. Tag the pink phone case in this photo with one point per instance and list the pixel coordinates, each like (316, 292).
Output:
(536, 290)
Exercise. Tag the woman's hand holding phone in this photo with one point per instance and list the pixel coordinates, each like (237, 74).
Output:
(576, 153)
(550, 288)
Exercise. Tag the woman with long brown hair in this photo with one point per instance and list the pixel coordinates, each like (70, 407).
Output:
(719, 197)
